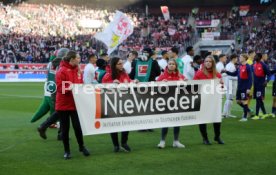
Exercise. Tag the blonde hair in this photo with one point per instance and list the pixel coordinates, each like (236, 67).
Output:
(214, 70)
(244, 55)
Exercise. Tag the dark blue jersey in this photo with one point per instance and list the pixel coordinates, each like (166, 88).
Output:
(261, 74)
(244, 74)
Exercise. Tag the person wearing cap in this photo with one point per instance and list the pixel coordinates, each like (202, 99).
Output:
(164, 61)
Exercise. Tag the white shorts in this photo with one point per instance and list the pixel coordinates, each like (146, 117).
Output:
(231, 86)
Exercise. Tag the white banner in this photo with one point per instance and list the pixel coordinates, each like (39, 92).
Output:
(116, 32)
(90, 23)
(210, 35)
(128, 107)
(166, 13)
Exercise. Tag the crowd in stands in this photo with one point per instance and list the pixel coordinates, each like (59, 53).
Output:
(30, 33)
(262, 37)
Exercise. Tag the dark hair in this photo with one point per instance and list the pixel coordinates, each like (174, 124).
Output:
(134, 53)
(91, 56)
(216, 58)
(258, 57)
(188, 49)
(164, 52)
(221, 55)
(113, 63)
(148, 51)
(197, 57)
(233, 56)
(70, 55)
(101, 63)
(16, 66)
(174, 50)
(250, 52)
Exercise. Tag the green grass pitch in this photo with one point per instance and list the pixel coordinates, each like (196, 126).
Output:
(250, 147)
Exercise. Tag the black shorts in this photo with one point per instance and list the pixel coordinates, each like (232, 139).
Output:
(241, 95)
(259, 93)
(274, 89)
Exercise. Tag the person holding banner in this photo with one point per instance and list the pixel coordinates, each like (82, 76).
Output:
(118, 75)
(68, 74)
(209, 72)
(171, 73)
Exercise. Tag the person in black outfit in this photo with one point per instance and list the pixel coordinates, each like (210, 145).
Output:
(118, 75)
(69, 71)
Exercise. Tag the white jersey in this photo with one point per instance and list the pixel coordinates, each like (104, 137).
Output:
(230, 67)
(231, 81)
(89, 74)
(220, 66)
(163, 63)
(127, 67)
(188, 70)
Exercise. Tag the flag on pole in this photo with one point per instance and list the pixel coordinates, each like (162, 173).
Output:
(116, 32)
(166, 13)
(244, 10)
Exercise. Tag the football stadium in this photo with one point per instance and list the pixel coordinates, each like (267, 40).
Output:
(137, 87)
